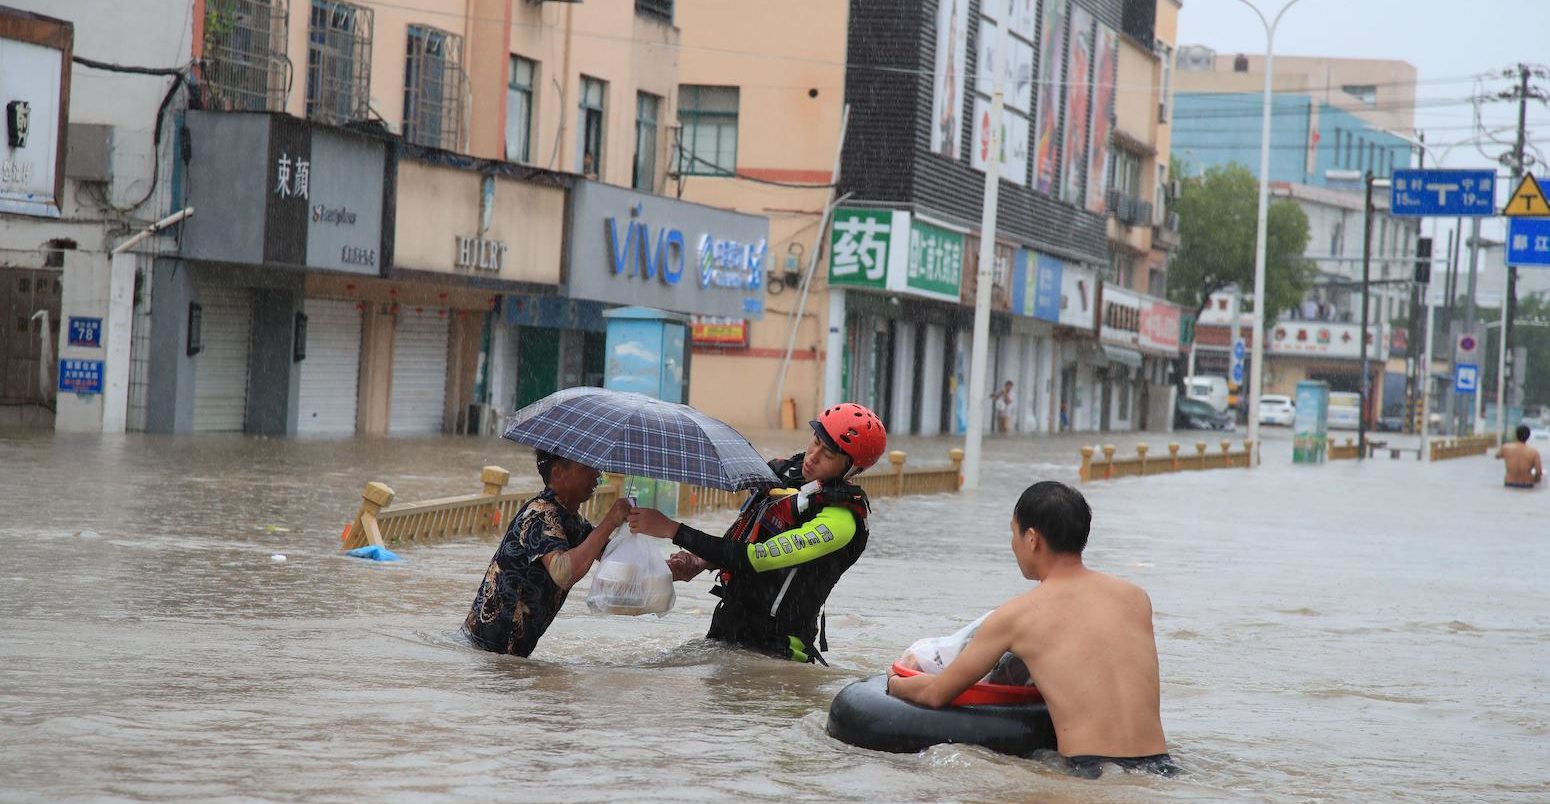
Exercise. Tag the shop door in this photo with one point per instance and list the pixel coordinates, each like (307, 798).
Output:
(1106, 399)
(1065, 418)
(417, 403)
(330, 374)
(221, 367)
(24, 293)
(538, 364)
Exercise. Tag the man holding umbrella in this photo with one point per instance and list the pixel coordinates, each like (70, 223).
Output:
(790, 545)
(545, 551)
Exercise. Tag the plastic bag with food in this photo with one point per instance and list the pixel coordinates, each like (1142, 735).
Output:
(632, 577)
(933, 654)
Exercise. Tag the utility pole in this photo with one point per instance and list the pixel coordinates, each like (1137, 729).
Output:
(1521, 93)
(1366, 392)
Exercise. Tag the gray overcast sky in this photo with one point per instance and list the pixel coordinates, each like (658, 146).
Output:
(1444, 39)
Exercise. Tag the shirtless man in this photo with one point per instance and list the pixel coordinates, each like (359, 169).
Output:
(1085, 636)
(1523, 468)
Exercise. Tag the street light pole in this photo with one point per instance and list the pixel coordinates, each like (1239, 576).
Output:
(1362, 389)
(1257, 367)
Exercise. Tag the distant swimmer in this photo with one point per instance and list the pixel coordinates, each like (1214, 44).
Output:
(1524, 471)
(1085, 636)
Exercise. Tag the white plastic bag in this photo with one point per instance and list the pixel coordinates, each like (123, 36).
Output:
(632, 577)
(933, 655)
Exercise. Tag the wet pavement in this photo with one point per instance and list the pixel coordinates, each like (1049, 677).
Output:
(1371, 631)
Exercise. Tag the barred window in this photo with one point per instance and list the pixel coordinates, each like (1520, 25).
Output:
(589, 153)
(338, 62)
(708, 118)
(245, 68)
(646, 106)
(656, 9)
(519, 109)
(433, 89)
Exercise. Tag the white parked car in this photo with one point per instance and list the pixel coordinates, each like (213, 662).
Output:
(1277, 409)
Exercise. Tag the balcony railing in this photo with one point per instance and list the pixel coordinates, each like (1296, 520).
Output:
(245, 68)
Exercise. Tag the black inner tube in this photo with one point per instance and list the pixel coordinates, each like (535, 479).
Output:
(866, 716)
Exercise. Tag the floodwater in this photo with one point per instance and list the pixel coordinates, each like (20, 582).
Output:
(1345, 632)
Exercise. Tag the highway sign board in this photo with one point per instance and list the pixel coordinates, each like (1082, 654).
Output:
(1449, 193)
(1528, 201)
(1528, 242)
(1466, 378)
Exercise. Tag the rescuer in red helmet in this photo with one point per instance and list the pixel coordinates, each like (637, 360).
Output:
(790, 545)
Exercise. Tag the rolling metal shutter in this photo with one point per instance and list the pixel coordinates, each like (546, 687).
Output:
(418, 399)
(221, 368)
(330, 375)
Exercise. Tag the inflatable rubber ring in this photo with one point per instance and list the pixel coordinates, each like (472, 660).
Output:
(866, 716)
(982, 693)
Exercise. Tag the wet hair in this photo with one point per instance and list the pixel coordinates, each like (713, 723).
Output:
(1523, 433)
(546, 462)
(1058, 512)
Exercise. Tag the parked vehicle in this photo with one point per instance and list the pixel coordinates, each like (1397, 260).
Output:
(1210, 389)
(1345, 410)
(1392, 420)
(1277, 409)
(1197, 414)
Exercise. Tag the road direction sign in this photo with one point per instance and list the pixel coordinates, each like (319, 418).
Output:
(1237, 373)
(1528, 242)
(1466, 378)
(1449, 193)
(1528, 201)
(1237, 350)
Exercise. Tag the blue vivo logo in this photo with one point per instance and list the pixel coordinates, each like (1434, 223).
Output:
(639, 256)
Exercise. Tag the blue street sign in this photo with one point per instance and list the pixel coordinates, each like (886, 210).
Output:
(1528, 241)
(1237, 373)
(85, 331)
(1448, 193)
(1237, 350)
(80, 376)
(1466, 378)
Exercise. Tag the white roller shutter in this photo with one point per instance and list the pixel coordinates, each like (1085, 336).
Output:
(221, 368)
(330, 374)
(418, 399)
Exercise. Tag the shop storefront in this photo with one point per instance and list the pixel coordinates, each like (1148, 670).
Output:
(278, 200)
(1159, 345)
(900, 337)
(1078, 354)
(490, 247)
(1327, 351)
(1036, 301)
(628, 248)
(1119, 335)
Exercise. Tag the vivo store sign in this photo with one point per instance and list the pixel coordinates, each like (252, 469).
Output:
(640, 249)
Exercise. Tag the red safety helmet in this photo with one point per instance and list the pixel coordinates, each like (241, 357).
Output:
(854, 431)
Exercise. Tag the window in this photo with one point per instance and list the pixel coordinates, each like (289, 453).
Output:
(1366, 93)
(1126, 176)
(646, 106)
(708, 117)
(589, 150)
(519, 109)
(338, 62)
(1337, 239)
(661, 10)
(1345, 159)
(433, 89)
(245, 65)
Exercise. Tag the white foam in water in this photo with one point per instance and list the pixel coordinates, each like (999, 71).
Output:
(277, 557)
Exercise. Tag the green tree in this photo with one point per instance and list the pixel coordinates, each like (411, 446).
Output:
(1217, 227)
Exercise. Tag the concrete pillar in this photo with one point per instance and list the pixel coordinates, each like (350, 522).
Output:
(116, 338)
(170, 391)
(85, 296)
(274, 376)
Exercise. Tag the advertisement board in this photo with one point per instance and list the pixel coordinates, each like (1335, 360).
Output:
(1103, 117)
(1046, 124)
(1310, 425)
(35, 54)
(952, 44)
(1323, 339)
(1073, 156)
(1159, 327)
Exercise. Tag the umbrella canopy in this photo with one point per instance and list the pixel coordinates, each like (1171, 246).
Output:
(633, 434)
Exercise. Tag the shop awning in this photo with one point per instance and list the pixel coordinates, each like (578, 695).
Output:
(1122, 356)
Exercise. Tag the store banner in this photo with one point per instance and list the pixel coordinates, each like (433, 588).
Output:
(1000, 274)
(1121, 319)
(1102, 121)
(717, 331)
(1323, 339)
(862, 245)
(948, 79)
(936, 261)
(1036, 285)
(1078, 297)
(1051, 60)
(1160, 326)
(1078, 108)
(35, 55)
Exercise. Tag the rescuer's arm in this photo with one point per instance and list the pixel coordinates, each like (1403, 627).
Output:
(828, 532)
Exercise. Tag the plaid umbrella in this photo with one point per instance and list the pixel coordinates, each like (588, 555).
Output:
(633, 434)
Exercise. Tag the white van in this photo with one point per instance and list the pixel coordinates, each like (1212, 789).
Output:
(1345, 410)
(1209, 389)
